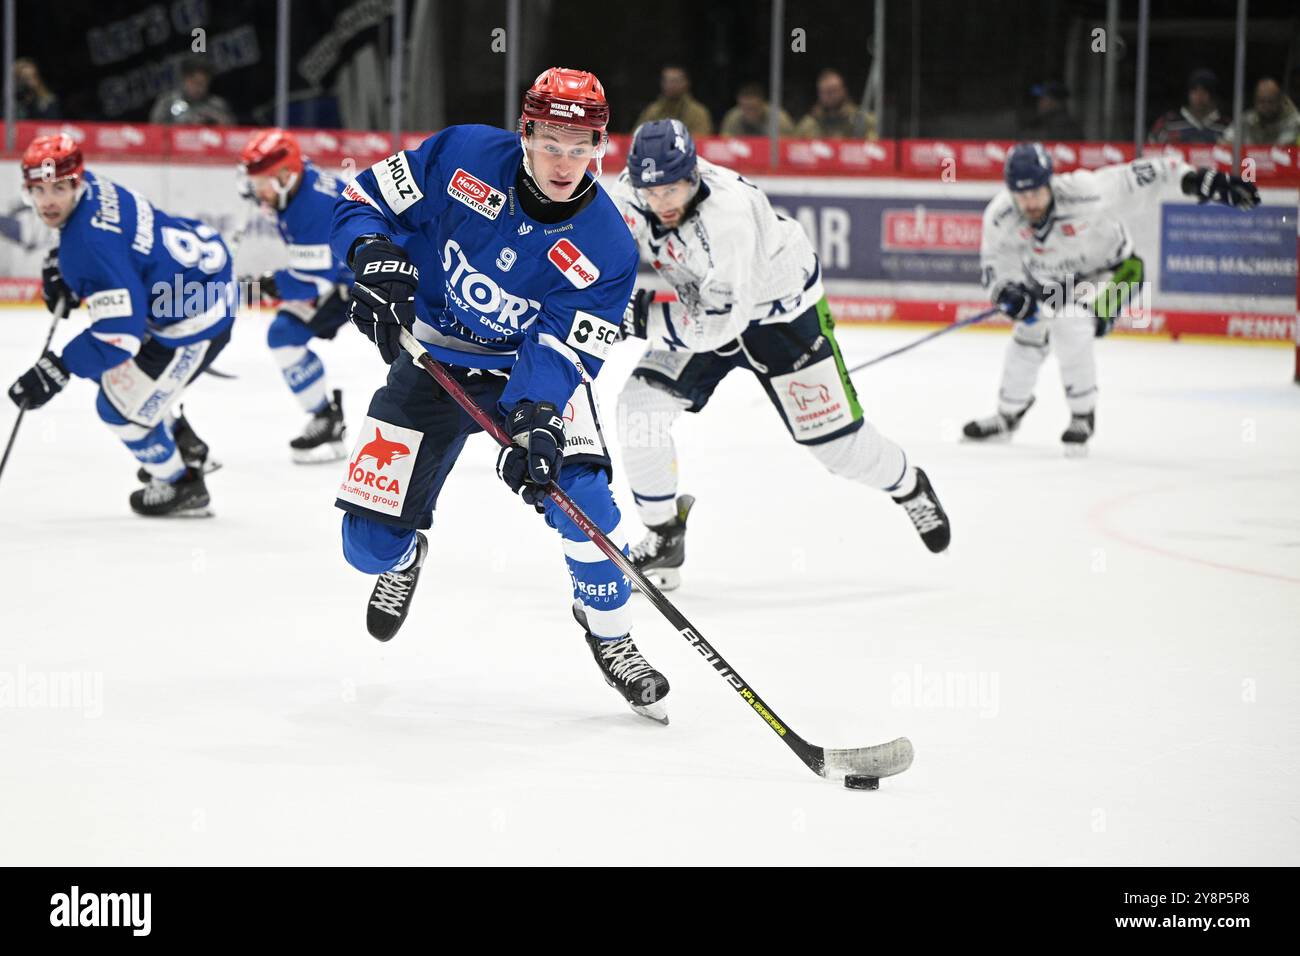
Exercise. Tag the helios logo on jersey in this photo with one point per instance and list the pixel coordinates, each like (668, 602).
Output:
(476, 194)
(396, 182)
(576, 267)
(381, 467)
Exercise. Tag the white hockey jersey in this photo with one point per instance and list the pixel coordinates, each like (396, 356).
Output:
(1083, 238)
(733, 262)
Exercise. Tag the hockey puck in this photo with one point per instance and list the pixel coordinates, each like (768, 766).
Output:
(852, 782)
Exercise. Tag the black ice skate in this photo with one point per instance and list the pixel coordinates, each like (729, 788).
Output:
(185, 498)
(625, 670)
(1077, 434)
(998, 427)
(391, 598)
(659, 555)
(193, 449)
(928, 516)
(322, 439)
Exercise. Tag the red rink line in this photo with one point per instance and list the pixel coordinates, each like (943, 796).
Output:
(1097, 518)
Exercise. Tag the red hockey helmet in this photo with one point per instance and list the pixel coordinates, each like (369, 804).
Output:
(51, 158)
(567, 98)
(269, 151)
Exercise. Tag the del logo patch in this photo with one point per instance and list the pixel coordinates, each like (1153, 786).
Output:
(576, 267)
(476, 194)
(380, 467)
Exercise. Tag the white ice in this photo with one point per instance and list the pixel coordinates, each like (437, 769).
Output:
(1103, 670)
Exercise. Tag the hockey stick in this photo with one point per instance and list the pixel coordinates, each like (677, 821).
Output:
(60, 313)
(925, 338)
(882, 760)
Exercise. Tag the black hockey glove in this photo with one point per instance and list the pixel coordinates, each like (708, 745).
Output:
(383, 299)
(1018, 301)
(265, 284)
(533, 461)
(40, 383)
(1207, 184)
(637, 314)
(53, 287)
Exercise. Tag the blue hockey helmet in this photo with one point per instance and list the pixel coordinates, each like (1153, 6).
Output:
(662, 152)
(1028, 167)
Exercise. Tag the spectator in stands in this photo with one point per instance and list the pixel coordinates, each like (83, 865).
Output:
(1273, 122)
(1197, 122)
(33, 99)
(675, 102)
(835, 116)
(751, 114)
(1051, 119)
(193, 103)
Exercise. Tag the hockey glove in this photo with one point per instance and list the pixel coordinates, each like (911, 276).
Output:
(533, 461)
(53, 287)
(1114, 295)
(637, 314)
(40, 383)
(383, 299)
(265, 285)
(1018, 301)
(1207, 184)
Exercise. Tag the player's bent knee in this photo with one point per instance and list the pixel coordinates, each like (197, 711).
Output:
(107, 413)
(372, 547)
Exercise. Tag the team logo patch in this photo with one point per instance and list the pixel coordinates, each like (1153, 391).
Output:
(476, 194)
(356, 194)
(814, 400)
(396, 182)
(381, 467)
(310, 257)
(109, 304)
(592, 334)
(576, 267)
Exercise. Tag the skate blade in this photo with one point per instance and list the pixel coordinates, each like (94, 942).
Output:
(1001, 438)
(665, 579)
(656, 712)
(1076, 450)
(320, 455)
(204, 511)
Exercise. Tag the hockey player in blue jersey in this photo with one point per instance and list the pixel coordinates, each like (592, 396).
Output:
(161, 300)
(313, 290)
(513, 268)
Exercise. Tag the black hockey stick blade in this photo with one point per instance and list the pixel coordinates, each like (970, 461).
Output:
(881, 760)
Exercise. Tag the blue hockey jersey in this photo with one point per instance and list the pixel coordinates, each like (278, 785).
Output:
(497, 289)
(304, 225)
(141, 273)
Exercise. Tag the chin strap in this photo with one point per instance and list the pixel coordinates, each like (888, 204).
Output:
(541, 193)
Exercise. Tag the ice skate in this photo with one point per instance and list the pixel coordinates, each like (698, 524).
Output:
(998, 427)
(660, 554)
(322, 438)
(625, 670)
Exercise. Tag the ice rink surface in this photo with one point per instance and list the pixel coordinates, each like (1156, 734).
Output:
(1102, 670)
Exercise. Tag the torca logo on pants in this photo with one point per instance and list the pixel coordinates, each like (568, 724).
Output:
(381, 466)
(384, 452)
